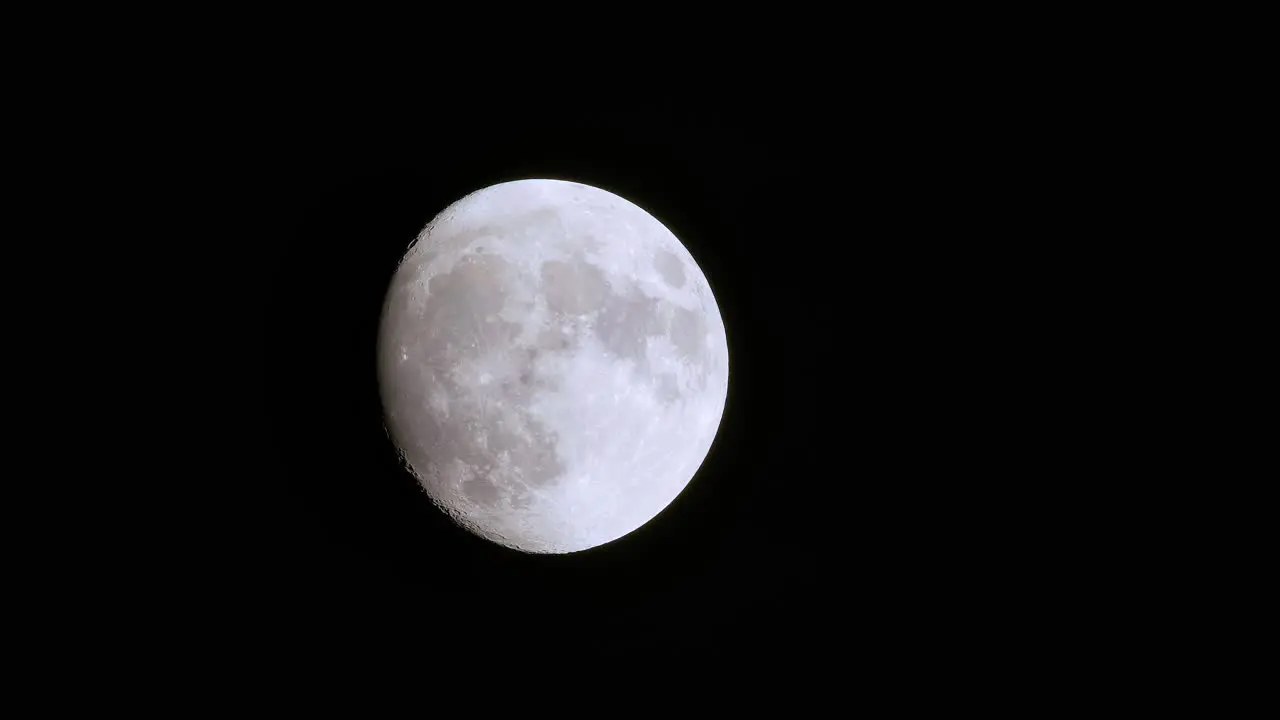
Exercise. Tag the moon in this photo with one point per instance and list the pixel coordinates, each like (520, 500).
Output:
(552, 364)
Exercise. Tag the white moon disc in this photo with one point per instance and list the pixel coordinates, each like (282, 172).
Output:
(552, 364)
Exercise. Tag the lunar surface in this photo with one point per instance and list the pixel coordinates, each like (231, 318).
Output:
(552, 363)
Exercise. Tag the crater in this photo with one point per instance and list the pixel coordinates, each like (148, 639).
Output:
(573, 288)
(537, 461)
(487, 411)
(626, 321)
(688, 333)
(461, 300)
(556, 338)
(478, 433)
(481, 491)
(666, 389)
(441, 236)
(670, 268)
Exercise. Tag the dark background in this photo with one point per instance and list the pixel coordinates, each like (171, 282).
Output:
(355, 541)
(881, 238)
(831, 508)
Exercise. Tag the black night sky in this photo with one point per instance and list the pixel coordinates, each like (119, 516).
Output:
(905, 230)
(795, 528)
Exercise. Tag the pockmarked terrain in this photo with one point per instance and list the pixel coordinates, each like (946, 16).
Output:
(552, 363)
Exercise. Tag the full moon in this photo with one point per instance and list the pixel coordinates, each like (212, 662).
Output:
(552, 364)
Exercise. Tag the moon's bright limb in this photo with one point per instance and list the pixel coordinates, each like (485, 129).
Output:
(552, 363)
